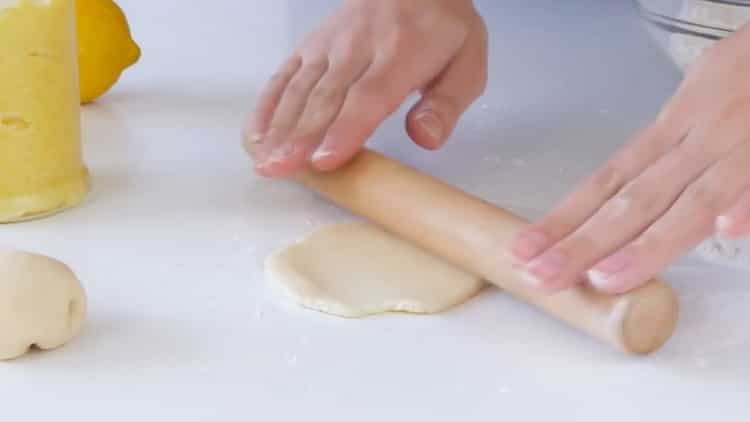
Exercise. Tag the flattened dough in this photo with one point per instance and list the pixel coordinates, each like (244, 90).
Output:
(356, 269)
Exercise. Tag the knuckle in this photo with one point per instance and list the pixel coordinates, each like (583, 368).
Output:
(556, 226)
(280, 128)
(316, 65)
(278, 76)
(347, 55)
(669, 118)
(296, 88)
(632, 199)
(316, 118)
(402, 36)
(406, 16)
(368, 89)
(376, 94)
(663, 134)
(286, 70)
(615, 208)
(705, 200)
(326, 94)
(644, 243)
(348, 47)
(734, 108)
(309, 127)
(609, 179)
(580, 245)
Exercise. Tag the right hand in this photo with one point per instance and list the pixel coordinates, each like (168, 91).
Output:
(356, 69)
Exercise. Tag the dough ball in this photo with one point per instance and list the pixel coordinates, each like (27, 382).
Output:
(355, 270)
(42, 303)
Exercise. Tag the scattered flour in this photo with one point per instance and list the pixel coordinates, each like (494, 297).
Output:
(493, 159)
(519, 163)
(304, 341)
(733, 253)
(259, 313)
(702, 363)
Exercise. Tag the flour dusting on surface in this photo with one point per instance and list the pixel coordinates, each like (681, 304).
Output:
(493, 159)
(291, 359)
(519, 163)
(733, 253)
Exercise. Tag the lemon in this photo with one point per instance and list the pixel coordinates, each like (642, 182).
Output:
(105, 46)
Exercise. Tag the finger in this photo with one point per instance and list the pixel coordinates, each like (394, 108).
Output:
(735, 223)
(621, 219)
(369, 101)
(323, 105)
(274, 148)
(257, 123)
(395, 73)
(688, 222)
(666, 133)
(575, 209)
(432, 120)
(636, 206)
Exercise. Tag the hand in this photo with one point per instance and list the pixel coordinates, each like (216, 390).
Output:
(356, 69)
(682, 178)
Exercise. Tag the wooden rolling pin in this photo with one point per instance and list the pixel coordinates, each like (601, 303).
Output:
(474, 235)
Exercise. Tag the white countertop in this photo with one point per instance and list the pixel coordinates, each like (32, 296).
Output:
(170, 244)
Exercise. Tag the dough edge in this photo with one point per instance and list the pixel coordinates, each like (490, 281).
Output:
(285, 280)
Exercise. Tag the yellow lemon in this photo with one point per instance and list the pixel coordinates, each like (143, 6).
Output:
(105, 46)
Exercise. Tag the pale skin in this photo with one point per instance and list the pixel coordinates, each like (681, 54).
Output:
(682, 178)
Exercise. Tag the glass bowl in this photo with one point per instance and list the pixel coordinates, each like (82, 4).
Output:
(685, 28)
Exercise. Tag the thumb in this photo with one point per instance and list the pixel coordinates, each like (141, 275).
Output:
(432, 120)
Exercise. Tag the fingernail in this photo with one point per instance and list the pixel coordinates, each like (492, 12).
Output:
(530, 279)
(255, 138)
(615, 263)
(251, 143)
(603, 274)
(528, 245)
(431, 124)
(548, 266)
(724, 224)
(321, 154)
(598, 279)
(324, 150)
(277, 155)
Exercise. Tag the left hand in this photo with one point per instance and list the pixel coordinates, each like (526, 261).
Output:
(684, 177)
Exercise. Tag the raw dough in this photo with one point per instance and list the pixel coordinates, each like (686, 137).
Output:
(42, 303)
(356, 269)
